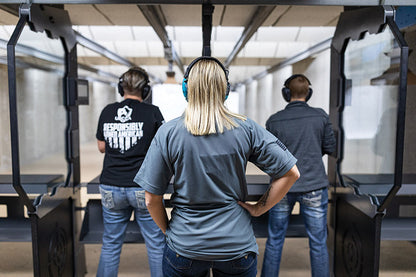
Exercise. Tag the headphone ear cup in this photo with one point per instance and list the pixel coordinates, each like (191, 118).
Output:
(185, 88)
(286, 94)
(120, 89)
(227, 92)
(146, 92)
(310, 91)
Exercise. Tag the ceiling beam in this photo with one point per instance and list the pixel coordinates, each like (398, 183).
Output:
(227, 2)
(257, 19)
(12, 9)
(29, 65)
(207, 11)
(45, 56)
(93, 46)
(313, 50)
(156, 19)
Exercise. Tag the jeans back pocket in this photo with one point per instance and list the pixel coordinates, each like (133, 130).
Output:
(245, 262)
(140, 199)
(176, 261)
(107, 198)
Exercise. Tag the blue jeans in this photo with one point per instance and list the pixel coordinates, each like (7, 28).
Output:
(175, 265)
(313, 207)
(118, 204)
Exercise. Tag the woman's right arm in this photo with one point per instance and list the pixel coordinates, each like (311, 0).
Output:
(154, 204)
(276, 191)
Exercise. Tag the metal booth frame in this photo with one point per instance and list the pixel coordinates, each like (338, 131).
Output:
(55, 217)
(354, 219)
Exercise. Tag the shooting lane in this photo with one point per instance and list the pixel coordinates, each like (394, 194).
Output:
(373, 189)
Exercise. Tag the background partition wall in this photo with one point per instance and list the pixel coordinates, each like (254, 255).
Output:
(370, 115)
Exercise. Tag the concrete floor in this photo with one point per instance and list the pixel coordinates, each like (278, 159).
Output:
(398, 259)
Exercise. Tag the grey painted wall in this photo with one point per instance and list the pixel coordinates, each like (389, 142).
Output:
(5, 156)
(41, 115)
(100, 96)
(264, 97)
(42, 120)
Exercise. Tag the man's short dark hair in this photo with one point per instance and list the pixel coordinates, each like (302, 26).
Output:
(299, 87)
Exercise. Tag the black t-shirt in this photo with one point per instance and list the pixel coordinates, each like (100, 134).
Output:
(127, 128)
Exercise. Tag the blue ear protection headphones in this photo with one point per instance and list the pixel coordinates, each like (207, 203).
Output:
(186, 75)
(286, 91)
(143, 87)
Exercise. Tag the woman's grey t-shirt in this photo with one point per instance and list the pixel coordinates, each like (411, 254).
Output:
(209, 178)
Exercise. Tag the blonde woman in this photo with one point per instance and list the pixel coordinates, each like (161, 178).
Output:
(207, 150)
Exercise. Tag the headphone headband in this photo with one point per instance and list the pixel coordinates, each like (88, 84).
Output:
(294, 76)
(188, 69)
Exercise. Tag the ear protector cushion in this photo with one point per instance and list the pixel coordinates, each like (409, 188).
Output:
(186, 75)
(120, 87)
(286, 90)
(145, 88)
(185, 88)
(286, 94)
(146, 91)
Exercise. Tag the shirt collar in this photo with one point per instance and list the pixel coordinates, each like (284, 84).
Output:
(296, 104)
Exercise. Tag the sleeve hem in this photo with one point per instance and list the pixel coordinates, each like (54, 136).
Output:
(284, 169)
(146, 186)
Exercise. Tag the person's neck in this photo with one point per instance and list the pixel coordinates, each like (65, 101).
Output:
(134, 97)
(298, 99)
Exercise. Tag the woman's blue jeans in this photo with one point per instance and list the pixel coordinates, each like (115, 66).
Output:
(118, 203)
(175, 265)
(313, 207)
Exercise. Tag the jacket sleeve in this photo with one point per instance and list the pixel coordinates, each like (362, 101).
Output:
(328, 141)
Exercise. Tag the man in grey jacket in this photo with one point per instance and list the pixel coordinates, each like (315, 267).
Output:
(308, 135)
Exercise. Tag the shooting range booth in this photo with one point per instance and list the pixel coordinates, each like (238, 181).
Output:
(372, 175)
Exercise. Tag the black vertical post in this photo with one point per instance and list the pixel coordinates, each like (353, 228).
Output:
(73, 153)
(72, 131)
(207, 10)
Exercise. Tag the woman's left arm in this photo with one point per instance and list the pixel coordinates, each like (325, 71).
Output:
(276, 191)
(154, 204)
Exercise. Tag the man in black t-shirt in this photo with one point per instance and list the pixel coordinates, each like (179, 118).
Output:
(125, 131)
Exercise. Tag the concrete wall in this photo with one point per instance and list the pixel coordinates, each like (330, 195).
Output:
(100, 96)
(317, 70)
(5, 156)
(241, 90)
(264, 97)
(251, 101)
(41, 115)
(42, 120)
(279, 78)
(264, 94)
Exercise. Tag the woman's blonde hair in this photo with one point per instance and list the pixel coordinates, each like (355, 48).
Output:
(206, 113)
